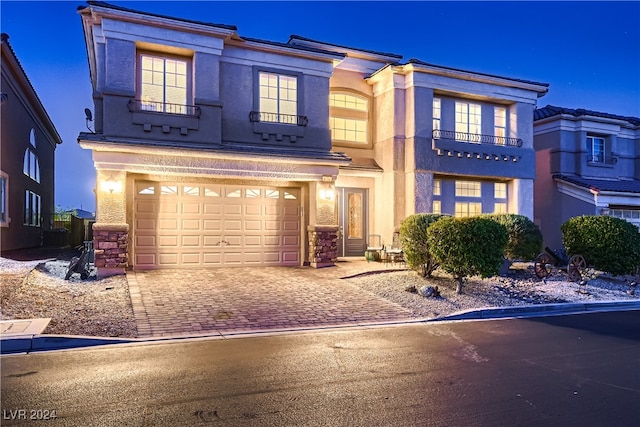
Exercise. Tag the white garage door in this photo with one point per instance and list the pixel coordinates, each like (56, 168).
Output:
(208, 225)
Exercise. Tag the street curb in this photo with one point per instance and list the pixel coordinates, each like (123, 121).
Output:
(20, 344)
(540, 310)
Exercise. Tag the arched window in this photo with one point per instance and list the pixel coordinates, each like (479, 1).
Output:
(31, 167)
(349, 118)
(32, 137)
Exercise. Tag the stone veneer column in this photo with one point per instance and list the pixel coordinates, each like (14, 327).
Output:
(323, 245)
(111, 248)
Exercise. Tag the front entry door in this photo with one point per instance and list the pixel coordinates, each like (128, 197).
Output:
(352, 219)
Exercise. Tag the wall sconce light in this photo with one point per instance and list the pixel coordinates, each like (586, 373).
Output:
(111, 186)
(327, 194)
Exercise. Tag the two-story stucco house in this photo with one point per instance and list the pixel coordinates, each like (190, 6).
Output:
(214, 149)
(28, 143)
(588, 163)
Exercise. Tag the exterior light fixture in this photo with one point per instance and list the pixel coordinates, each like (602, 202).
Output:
(111, 186)
(327, 194)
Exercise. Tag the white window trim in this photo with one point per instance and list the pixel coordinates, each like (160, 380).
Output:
(189, 77)
(351, 114)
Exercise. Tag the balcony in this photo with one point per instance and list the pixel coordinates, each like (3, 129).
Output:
(285, 119)
(602, 159)
(165, 116)
(280, 126)
(137, 105)
(472, 138)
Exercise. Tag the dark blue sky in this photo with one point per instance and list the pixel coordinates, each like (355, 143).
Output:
(589, 52)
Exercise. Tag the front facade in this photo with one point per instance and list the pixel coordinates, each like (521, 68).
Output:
(588, 164)
(213, 149)
(28, 142)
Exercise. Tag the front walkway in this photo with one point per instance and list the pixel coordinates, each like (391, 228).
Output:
(251, 299)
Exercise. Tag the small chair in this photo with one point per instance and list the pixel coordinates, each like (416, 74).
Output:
(374, 247)
(394, 253)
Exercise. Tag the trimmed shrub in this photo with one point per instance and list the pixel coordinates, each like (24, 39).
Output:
(413, 234)
(468, 246)
(525, 238)
(609, 244)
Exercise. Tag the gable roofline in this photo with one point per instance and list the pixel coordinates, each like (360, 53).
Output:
(540, 88)
(16, 67)
(372, 55)
(581, 113)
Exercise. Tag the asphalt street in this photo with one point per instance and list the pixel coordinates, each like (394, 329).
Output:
(554, 371)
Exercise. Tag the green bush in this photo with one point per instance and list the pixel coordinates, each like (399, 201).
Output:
(413, 234)
(525, 238)
(468, 246)
(607, 243)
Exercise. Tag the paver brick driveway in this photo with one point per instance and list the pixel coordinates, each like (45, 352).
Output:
(228, 300)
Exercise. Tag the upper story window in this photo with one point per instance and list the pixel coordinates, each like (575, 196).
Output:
(437, 112)
(468, 121)
(500, 190)
(30, 164)
(597, 149)
(437, 187)
(349, 118)
(500, 124)
(278, 98)
(468, 188)
(164, 84)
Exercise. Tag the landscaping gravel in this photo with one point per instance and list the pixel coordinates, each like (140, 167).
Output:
(520, 287)
(102, 307)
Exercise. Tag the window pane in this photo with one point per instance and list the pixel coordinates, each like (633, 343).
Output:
(436, 187)
(500, 190)
(468, 188)
(354, 206)
(436, 207)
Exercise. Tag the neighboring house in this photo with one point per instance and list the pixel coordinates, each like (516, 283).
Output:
(28, 140)
(588, 163)
(214, 149)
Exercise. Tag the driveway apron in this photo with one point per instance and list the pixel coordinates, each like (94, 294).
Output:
(248, 299)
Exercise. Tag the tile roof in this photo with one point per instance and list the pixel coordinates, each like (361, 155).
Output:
(419, 62)
(125, 9)
(622, 186)
(552, 110)
(294, 37)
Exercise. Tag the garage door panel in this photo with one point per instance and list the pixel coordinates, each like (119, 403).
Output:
(168, 224)
(214, 225)
(232, 225)
(190, 224)
(146, 224)
(168, 207)
(272, 225)
(252, 241)
(272, 240)
(212, 208)
(168, 241)
(232, 209)
(211, 240)
(146, 206)
(146, 259)
(291, 240)
(250, 225)
(291, 257)
(253, 210)
(190, 258)
(291, 225)
(191, 208)
(190, 241)
(168, 259)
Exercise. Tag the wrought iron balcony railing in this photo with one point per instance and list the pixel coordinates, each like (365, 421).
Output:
(476, 138)
(288, 119)
(601, 158)
(163, 107)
